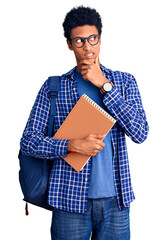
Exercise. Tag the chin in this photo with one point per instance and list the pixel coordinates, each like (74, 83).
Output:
(91, 59)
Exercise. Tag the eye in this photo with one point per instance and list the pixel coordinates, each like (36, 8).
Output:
(79, 40)
(92, 38)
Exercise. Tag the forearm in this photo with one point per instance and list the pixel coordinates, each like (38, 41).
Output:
(43, 147)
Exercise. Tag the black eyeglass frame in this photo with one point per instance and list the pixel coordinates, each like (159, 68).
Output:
(87, 38)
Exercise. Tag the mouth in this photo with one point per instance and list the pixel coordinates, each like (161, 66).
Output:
(89, 55)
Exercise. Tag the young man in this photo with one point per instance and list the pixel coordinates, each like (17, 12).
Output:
(94, 202)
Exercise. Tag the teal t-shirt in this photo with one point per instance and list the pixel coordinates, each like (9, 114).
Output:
(101, 183)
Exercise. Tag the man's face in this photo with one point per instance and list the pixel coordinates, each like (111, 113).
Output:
(87, 51)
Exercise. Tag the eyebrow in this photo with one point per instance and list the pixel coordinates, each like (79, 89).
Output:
(85, 37)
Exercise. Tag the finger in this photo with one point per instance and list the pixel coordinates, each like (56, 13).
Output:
(102, 144)
(83, 72)
(97, 61)
(85, 75)
(96, 152)
(101, 136)
(99, 148)
(93, 154)
(83, 67)
(97, 135)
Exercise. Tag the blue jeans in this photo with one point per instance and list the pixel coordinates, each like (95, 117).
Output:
(102, 221)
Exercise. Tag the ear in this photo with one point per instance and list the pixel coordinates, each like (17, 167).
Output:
(69, 45)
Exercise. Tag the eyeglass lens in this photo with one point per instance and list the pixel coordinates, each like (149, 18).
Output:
(93, 40)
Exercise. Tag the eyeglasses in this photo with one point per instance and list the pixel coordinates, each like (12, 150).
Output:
(79, 42)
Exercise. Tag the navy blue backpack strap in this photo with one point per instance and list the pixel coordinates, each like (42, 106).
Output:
(54, 85)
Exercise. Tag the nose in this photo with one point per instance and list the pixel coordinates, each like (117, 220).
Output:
(86, 46)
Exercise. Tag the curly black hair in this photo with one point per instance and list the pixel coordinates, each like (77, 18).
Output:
(81, 16)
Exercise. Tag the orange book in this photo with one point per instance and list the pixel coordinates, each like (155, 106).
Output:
(86, 117)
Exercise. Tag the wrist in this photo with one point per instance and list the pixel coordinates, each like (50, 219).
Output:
(107, 87)
(104, 80)
(71, 147)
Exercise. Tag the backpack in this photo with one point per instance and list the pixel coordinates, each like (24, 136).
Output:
(34, 172)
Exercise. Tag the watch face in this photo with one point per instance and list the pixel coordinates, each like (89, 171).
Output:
(107, 87)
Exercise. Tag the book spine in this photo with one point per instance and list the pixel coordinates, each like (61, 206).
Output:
(98, 107)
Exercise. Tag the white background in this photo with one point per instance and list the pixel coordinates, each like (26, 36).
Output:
(32, 48)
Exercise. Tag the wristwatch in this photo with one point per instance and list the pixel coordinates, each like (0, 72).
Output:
(107, 87)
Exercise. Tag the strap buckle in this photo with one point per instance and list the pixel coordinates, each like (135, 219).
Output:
(53, 94)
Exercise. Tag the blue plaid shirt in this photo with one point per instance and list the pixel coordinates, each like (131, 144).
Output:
(68, 189)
